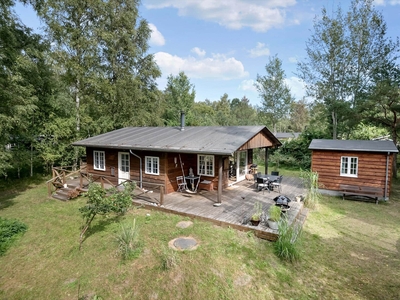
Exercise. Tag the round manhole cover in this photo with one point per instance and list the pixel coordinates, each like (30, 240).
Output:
(184, 224)
(183, 243)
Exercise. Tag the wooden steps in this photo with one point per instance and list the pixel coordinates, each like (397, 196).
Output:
(64, 193)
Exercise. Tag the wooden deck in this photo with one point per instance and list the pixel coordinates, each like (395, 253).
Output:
(236, 207)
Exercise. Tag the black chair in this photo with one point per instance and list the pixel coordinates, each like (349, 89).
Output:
(262, 184)
(275, 173)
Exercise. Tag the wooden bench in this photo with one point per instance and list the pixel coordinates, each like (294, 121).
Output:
(206, 185)
(363, 191)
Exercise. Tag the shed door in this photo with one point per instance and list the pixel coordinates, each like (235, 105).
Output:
(123, 167)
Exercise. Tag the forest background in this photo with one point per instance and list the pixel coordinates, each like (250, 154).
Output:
(91, 72)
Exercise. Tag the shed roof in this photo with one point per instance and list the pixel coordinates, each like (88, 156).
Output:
(353, 145)
(222, 140)
(287, 135)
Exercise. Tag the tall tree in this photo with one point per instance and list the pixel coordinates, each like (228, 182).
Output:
(179, 96)
(243, 112)
(129, 72)
(71, 27)
(274, 92)
(383, 105)
(325, 70)
(342, 53)
(222, 107)
(18, 101)
(299, 116)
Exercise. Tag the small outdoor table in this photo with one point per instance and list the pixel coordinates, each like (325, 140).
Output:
(192, 180)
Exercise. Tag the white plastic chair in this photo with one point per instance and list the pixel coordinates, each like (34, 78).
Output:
(182, 186)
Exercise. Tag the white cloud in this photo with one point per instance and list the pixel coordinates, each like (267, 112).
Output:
(235, 14)
(247, 85)
(198, 51)
(217, 66)
(383, 2)
(259, 50)
(156, 39)
(297, 87)
(293, 59)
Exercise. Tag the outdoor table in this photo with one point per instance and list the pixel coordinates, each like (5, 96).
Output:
(268, 179)
(192, 180)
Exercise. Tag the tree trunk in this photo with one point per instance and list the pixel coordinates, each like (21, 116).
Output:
(334, 125)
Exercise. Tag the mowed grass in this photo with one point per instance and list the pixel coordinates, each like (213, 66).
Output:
(350, 250)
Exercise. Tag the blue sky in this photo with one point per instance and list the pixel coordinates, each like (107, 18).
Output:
(222, 45)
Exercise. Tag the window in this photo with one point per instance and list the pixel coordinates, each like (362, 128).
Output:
(152, 165)
(99, 161)
(349, 166)
(205, 165)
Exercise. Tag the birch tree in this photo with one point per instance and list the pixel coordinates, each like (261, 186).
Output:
(276, 98)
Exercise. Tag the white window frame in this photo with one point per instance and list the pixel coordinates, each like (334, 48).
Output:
(99, 160)
(208, 168)
(154, 165)
(349, 166)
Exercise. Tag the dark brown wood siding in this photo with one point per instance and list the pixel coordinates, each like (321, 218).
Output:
(171, 166)
(371, 169)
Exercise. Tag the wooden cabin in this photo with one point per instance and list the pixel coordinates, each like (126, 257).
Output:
(358, 163)
(160, 154)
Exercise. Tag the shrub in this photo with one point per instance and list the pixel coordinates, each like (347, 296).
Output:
(128, 240)
(257, 211)
(310, 180)
(72, 194)
(169, 259)
(10, 230)
(274, 213)
(286, 246)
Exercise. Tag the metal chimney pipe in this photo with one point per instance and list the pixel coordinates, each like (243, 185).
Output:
(182, 120)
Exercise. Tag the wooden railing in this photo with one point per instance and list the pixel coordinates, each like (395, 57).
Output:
(61, 175)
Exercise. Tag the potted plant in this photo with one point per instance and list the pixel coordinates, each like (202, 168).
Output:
(256, 217)
(274, 215)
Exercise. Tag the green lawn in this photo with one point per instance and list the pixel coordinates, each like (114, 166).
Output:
(350, 250)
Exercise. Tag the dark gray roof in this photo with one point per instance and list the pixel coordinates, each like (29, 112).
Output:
(223, 140)
(354, 145)
(287, 135)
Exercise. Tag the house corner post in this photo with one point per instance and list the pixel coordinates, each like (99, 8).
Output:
(266, 160)
(220, 179)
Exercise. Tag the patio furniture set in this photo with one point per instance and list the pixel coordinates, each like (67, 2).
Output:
(269, 182)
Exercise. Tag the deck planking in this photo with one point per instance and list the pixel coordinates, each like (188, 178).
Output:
(236, 205)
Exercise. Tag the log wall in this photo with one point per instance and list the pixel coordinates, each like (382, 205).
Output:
(169, 170)
(371, 169)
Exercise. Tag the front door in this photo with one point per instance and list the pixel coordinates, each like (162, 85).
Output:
(123, 167)
(241, 165)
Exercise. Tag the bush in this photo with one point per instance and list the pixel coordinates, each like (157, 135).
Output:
(169, 259)
(287, 247)
(128, 240)
(10, 230)
(310, 180)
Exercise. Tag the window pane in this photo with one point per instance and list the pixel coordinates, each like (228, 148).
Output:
(353, 166)
(344, 165)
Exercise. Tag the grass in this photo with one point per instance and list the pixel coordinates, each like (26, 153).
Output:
(349, 250)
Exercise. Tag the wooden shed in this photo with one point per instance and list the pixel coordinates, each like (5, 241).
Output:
(159, 155)
(353, 162)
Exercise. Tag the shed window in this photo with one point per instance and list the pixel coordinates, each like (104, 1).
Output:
(349, 166)
(205, 165)
(99, 160)
(152, 165)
